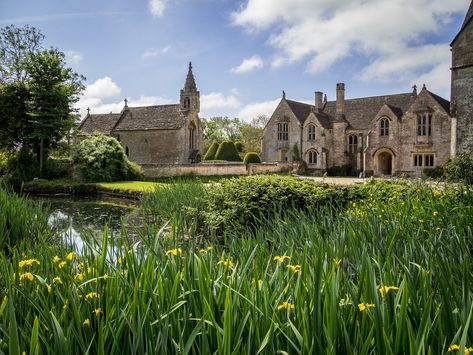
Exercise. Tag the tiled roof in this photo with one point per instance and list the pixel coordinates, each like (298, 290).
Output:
(102, 123)
(151, 117)
(442, 102)
(300, 110)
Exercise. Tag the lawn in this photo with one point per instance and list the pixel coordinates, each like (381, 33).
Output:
(132, 185)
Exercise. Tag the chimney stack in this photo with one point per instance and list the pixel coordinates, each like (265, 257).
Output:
(318, 100)
(340, 99)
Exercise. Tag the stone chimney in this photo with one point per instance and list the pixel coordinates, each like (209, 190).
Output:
(318, 100)
(340, 99)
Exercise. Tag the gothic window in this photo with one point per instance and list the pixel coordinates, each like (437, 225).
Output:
(384, 127)
(352, 143)
(192, 137)
(312, 157)
(283, 131)
(311, 130)
(424, 124)
(187, 102)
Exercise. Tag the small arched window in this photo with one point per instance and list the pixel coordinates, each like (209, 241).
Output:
(187, 102)
(312, 157)
(384, 127)
(192, 137)
(127, 151)
(352, 143)
(311, 131)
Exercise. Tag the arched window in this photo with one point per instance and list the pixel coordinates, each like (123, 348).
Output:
(311, 157)
(384, 127)
(352, 143)
(311, 131)
(192, 136)
(127, 151)
(187, 102)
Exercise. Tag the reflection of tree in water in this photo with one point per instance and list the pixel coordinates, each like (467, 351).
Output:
(73, 218)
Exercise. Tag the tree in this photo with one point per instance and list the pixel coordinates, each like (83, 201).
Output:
(37, 93)
(15, 46)
(252, 133)
(219, 129)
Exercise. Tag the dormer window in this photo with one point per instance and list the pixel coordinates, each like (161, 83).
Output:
(311, 132)
(424, 124)
(187, 102)
(384, 127)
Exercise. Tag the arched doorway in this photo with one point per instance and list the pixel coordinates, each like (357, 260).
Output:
(385, 163)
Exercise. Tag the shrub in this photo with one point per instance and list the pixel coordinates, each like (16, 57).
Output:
(339, 170)
(434, 173)
(55, 168)
(460, 169)
(210, 154)
(135, 171)
(239, 146)
(296, 156)
(18, 166)
(101, 158)
(227, 151)
(252, 158)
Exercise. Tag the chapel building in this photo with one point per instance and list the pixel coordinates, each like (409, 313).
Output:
(161, 134)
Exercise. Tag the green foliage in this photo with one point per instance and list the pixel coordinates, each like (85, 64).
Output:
(20, 220)
(251, 158)
(339, 170)
(239, 146)
(210, 155)
(434, 173)
(56, 168)
(135, 171)
(19, 166)
(218, 129)
(296, 156)
(227, 151)
(101, 158)
(460, 169)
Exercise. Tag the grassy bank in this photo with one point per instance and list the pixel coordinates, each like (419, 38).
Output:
(386, 270)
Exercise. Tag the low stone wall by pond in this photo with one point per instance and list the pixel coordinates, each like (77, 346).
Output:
(211, 169)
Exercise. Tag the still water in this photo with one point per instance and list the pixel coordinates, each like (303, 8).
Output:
(74, 219)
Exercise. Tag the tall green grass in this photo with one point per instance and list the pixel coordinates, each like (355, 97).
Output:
(168, 293)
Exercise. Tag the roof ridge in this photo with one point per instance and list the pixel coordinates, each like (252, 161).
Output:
(132, 107)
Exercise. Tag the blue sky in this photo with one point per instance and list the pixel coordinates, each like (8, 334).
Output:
(245, 52)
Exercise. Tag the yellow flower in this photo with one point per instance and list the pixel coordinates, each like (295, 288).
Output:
(27, 275)
(91, 295)
(453, 347)
(120, 260)
(98, 311)
(27, 262)
(90, 270)
(281, 258)
(253, 282)
(438, 229)
(57, 280)
(79, 276)
(65, 305)
(62, 264)
(71, 255)
(421, 221)
(205, 250)
(285, 305)
(86, 323)
(49, 288)
(435, 213)
(385, 289)
(80, 265)
(56, 259)
(365, 306)
(174, 251)
(294, 268)
(226, 262)
(337, 261)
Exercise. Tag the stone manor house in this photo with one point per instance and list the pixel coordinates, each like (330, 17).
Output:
(163, 134)
(383, 135)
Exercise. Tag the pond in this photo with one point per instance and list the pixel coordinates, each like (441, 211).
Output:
(73, 219)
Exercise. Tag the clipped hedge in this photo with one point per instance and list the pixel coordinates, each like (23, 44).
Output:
(251, 158)
(239, 146)
(227, 151)
(460, 169)
(210, 154)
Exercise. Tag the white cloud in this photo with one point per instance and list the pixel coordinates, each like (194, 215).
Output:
(151, 53)
(252, 110)
(157, 7)
(324, 32)
(249, 64)
(101, 88)
(217, 100)
(73, 57)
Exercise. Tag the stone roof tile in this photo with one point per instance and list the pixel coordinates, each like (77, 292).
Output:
(103, 123)
(151, 117)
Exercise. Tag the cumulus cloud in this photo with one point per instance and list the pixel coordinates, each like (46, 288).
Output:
(73, 57)
(252, 110)
(323, 32)
(249, 64)
(157, 7)
(152, 53)
(217, 100)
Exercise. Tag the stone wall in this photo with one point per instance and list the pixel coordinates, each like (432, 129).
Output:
(211, 169)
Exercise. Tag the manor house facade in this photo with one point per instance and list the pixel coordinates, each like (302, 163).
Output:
(383, 135)
(163, 134)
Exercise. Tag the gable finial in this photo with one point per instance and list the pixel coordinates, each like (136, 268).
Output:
(414, 89)
(325, 98)
(88, 111)
(283, 94)
(126, 102)
(424, 87)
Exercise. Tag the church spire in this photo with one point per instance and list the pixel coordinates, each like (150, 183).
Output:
(190, 81)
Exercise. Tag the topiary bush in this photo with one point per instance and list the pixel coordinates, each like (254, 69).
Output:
(460, 169)
(135, 171)
(251, 158)
(433, 173)
(102, 158)
(227, 151)
(339, 170)
(210, 154)
(239, 146)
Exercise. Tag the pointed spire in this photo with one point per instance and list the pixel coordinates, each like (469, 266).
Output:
(190, 81)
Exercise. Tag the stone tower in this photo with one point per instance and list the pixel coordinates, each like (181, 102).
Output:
(190, 97)
(462, 87)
